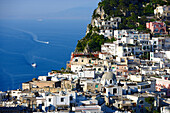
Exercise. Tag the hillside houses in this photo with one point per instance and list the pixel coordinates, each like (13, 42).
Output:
(128, 74)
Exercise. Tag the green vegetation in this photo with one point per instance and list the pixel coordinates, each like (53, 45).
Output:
(133, 14)
(92, 41)
(146, 55)
(151, 109)
(34, 79)
(149, 100)
(112, 39)
(95, 15)
(129, 10)
(126, 7)
(61, 71)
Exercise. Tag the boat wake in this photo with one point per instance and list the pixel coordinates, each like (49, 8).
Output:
(27, 57)
(34, 36)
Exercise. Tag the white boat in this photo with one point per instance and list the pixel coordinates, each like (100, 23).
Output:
(47, 42)
(34, 65)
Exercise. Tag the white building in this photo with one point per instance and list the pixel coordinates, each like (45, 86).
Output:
(76, 68)
(106, 33)
(162, 11)
(130, 34)
(86, 74)
(16, 93)
(106, 56)
(149, 86)
(165, 109)
(136, 78)
(53, 100)
(88, 109)
(110, 48)
(119, 50)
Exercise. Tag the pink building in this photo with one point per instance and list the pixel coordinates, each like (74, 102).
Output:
(157, 27)
(163, 83)
(122, 70)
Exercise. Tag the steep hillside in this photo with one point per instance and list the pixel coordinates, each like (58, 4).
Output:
(133, 15)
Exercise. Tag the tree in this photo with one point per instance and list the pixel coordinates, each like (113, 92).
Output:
(143, 20)
(132, 8)
(113, 3)
(113, 39)
(62, 69)
(149, 100)
(34, 79)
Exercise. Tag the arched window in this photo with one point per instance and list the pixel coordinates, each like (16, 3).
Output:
(162, 30)
(111, 81)
(156, 30)
(104, 90)
(140, 101)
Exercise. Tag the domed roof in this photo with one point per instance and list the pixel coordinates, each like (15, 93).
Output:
(108, 76)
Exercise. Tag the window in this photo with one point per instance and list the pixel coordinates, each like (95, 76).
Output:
(71, 97)
(110, 81)
(89, 61)
(49, 99)
(122, 60)
(114, 90)
(76, 60)
(82, 61)
(104, 90)
(62, 99)
(140, 36)
(156, 30)
(96, 86)
(113, 67)
(154, 42)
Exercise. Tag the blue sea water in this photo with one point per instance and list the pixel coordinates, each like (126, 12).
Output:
(22, 42)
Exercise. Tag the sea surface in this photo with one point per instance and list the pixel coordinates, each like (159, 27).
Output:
(23, 42)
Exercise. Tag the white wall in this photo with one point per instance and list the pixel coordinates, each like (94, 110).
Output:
(76, 68)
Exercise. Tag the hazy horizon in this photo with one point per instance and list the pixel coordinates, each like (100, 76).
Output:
(47, 9)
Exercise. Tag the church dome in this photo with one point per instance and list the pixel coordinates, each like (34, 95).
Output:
(108, 76)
